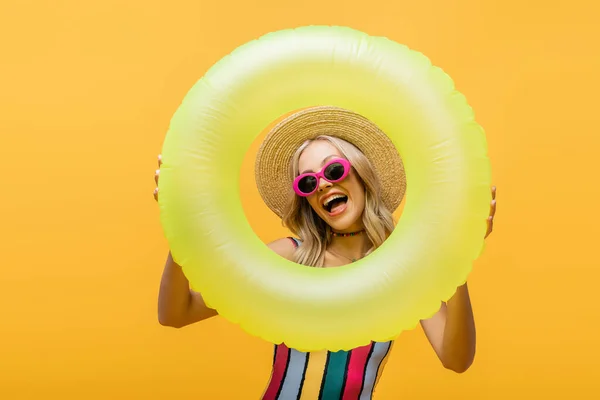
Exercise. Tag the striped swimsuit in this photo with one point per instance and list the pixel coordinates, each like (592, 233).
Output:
(325, 375)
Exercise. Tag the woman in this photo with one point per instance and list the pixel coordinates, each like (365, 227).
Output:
(334, 178)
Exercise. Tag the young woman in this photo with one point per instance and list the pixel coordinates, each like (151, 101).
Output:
(334, 178)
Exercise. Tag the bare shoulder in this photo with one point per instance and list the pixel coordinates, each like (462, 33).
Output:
(285, 247)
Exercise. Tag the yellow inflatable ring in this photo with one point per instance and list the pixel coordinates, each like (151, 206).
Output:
(428, 255)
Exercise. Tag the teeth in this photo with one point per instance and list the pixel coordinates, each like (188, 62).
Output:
(331, 198)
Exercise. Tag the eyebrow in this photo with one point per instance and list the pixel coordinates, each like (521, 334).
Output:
(322, 163)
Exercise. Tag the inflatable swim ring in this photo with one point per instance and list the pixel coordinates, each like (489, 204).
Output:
(429, 254)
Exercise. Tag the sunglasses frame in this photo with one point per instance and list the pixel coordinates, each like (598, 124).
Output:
(321, 175)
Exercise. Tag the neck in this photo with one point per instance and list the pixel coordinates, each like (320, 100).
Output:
(353, 246)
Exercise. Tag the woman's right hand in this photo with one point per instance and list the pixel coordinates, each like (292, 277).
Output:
(156, 174)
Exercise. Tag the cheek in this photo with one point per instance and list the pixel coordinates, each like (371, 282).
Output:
(359, 199)
(356, 188)
(312, 201)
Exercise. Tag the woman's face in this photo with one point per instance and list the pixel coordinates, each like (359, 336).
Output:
(345, 213)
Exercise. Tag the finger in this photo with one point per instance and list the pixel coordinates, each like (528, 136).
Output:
(156, 175)
(493, 192)
(156, 194)
(493, 208)
(490, 227)
(159, 160)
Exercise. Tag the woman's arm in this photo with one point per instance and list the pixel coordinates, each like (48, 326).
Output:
(451, 332)
(179, 306)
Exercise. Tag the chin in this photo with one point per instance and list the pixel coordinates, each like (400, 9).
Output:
(343, 223)
(346, 228)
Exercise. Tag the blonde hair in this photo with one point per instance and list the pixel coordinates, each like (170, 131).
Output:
(303, 222)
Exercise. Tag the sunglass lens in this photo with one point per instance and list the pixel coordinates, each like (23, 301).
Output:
(307, 184)
(334, 171)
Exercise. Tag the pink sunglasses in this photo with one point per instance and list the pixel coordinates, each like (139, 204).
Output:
(334, 171)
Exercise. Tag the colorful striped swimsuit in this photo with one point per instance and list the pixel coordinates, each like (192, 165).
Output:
(325, 375)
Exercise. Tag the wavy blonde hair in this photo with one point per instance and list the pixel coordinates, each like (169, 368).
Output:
(304, 222)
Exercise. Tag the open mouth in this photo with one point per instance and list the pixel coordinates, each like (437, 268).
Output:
(335, 203)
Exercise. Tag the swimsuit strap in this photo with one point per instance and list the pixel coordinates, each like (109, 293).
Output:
(296, 242)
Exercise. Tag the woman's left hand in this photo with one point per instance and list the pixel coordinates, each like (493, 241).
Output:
(490, 220)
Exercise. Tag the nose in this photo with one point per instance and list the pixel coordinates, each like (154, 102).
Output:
(324, 184)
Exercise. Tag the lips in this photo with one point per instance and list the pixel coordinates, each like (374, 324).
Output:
(334, 203)
(329, 195)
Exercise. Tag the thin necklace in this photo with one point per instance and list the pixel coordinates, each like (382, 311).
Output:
(339, 234)
(340, 255)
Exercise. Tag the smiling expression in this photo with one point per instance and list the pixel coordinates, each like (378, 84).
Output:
(339, 204)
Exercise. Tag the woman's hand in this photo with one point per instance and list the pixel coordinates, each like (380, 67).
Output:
(156, 174)
(490, 220)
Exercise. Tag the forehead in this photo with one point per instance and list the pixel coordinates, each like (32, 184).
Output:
(312, 157)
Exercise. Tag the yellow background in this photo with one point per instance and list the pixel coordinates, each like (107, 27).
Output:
(87, 89)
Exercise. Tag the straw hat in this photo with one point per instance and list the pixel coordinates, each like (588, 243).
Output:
(273, 162)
